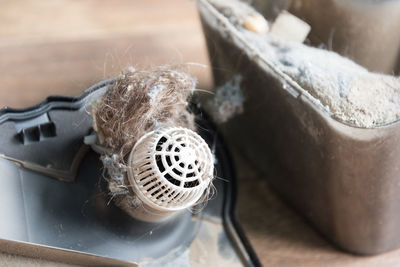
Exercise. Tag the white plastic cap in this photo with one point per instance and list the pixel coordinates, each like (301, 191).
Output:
(169, 171)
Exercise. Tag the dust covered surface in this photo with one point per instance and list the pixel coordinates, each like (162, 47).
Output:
(347, 91)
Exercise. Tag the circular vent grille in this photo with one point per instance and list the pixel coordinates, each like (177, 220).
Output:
(170, 168)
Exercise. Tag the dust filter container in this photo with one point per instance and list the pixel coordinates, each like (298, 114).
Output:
(169, 171)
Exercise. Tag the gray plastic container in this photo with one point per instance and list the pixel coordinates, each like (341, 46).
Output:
(345, 180)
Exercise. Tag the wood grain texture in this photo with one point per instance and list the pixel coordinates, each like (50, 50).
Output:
(62, 47)
(283, 238)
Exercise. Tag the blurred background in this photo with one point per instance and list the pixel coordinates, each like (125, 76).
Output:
(62, 47)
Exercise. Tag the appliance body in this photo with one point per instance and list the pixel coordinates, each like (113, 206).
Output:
(54, 203)
(341, 178)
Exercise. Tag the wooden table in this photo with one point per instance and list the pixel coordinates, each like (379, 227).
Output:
(62, 47)
(283, 238)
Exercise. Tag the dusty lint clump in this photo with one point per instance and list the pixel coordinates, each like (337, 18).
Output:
(228, 100)
(142, 101)
(138, 102)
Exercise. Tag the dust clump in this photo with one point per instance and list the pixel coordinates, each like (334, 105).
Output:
(141, 101)
(228, 100)
(138, 102)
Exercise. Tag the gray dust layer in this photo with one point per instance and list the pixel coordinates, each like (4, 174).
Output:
(348, 91)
